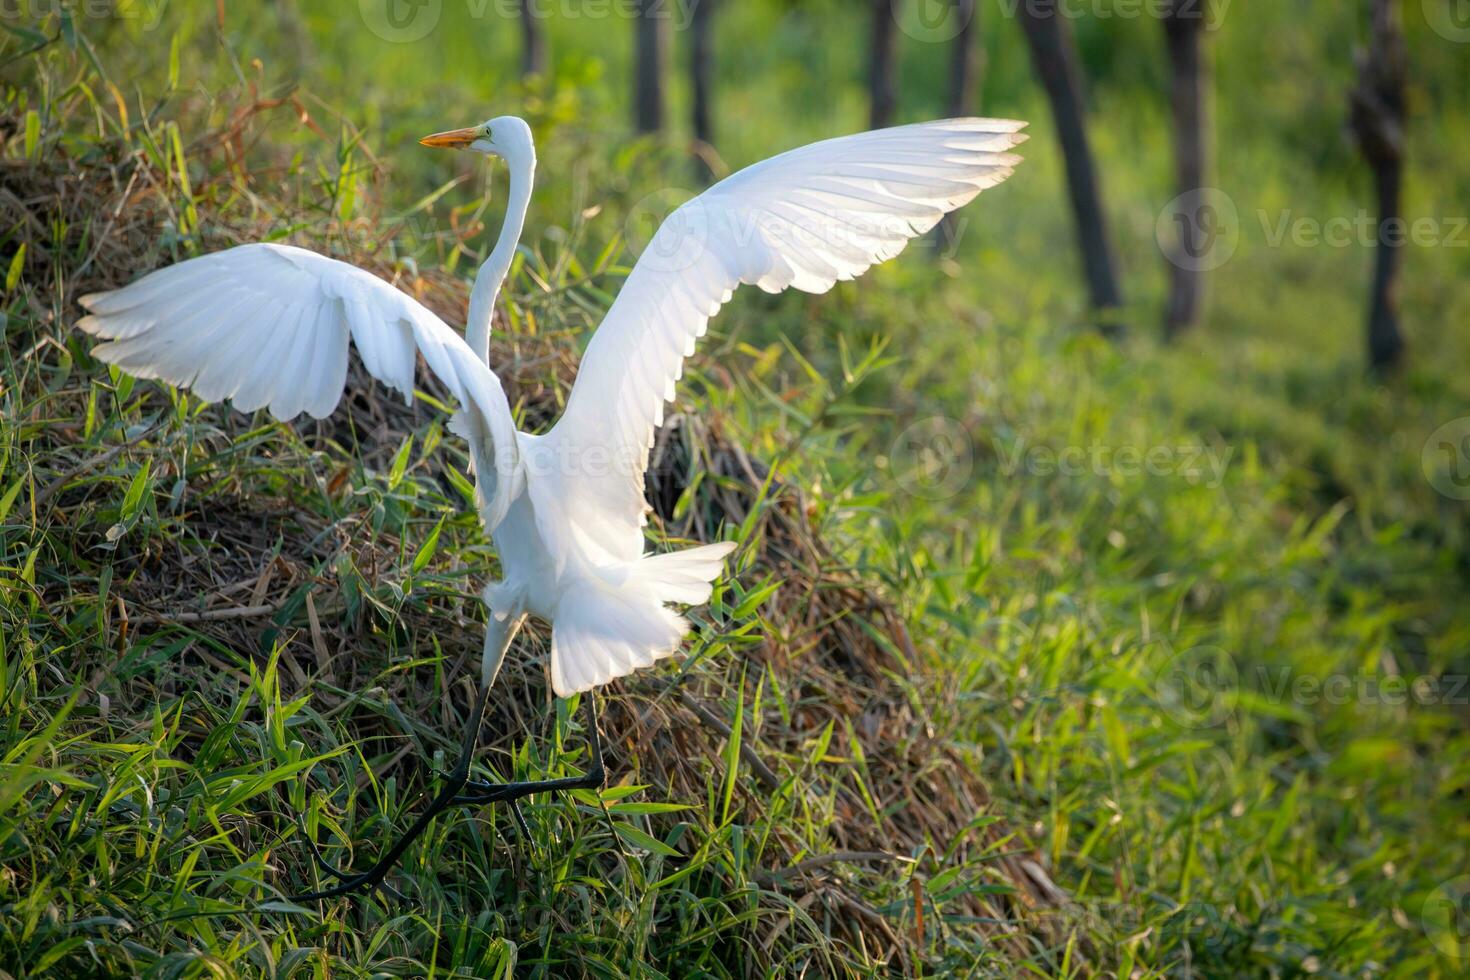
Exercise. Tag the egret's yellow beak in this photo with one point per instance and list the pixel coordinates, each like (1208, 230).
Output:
(454, 139)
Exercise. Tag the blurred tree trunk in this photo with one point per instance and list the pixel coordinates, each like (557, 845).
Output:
(1185, 24)
(883, 64)
(964, 61)
(964, 95)
(650, 53)
(1054, 58)
(701, 73)
(533, 50)
(1378, 116)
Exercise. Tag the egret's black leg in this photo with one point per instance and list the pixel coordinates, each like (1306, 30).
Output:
(454, 782)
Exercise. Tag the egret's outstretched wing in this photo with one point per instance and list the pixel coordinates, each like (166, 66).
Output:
(807, 219)
(267, 325)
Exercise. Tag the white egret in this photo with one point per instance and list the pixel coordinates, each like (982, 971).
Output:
(268, 325)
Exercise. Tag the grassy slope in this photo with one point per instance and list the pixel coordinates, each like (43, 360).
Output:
(1250, 830)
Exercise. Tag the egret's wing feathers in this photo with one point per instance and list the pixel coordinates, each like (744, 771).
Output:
(804, 219)
(267, 326)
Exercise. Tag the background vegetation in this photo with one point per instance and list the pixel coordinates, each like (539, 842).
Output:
(1176, 682)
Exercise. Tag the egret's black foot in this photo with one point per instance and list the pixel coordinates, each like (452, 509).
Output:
(521, 825)
(459, 789)
(480, 792)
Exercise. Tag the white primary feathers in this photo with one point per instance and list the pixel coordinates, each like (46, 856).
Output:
(268, 326)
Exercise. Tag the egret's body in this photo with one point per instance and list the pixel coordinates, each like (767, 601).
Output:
(268, 326)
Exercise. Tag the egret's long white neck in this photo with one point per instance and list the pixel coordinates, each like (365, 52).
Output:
(492, 273)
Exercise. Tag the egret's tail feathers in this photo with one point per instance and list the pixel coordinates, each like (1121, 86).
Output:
(608, 627)
(684, 576)
(602, 632)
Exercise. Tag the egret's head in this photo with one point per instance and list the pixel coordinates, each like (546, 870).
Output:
(507, 137)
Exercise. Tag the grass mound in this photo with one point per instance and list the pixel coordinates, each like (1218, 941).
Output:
(220, 625)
